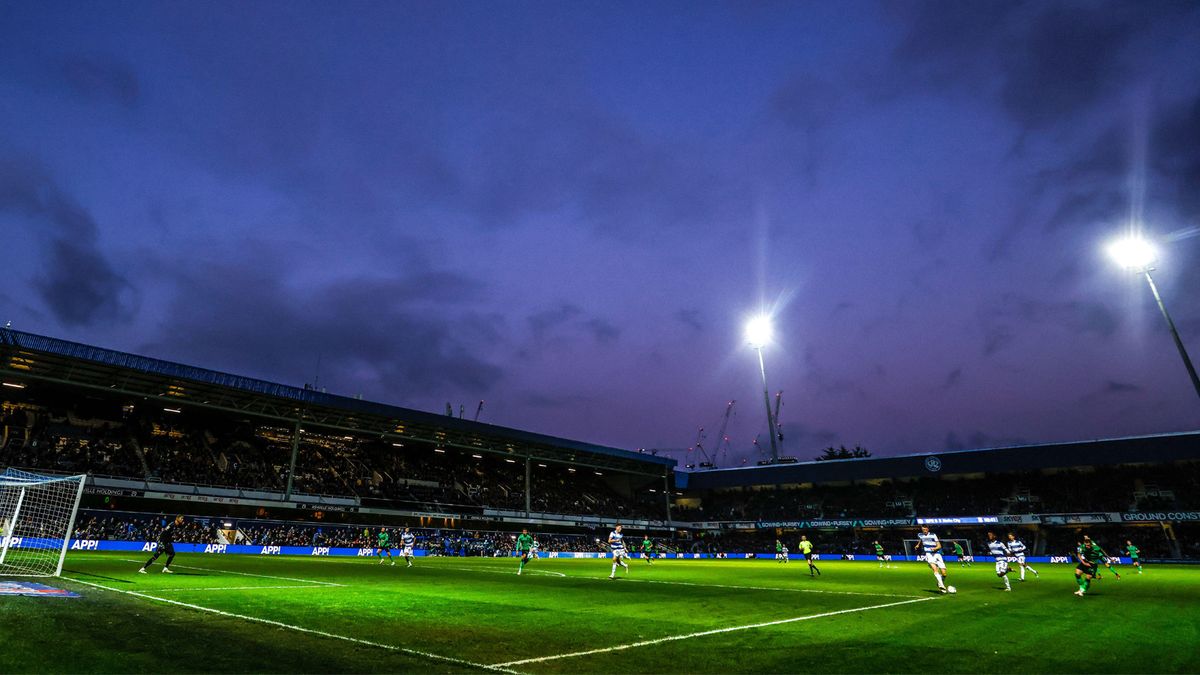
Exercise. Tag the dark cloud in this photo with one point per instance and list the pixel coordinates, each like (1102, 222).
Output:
(604, 331)
(1083, 317)
(590, 168)
(801, 439)
(996, 338)
(537, 399)
(1176, 154)
(979, 439)
(692, 318)
(1067, 61)
(953, 378)
(950, 43)
(373, 333)
(928, 233)
(1112, 387)
(1088, 208)
(1047, 63)
(543, 322)
(806, 102)
(77, 283)
(101, 78)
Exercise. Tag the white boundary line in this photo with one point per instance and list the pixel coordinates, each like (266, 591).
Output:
(312, 631)
(540, 572)
(248, 574)
(672, 638)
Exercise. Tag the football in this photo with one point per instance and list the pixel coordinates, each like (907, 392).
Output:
(951, 589)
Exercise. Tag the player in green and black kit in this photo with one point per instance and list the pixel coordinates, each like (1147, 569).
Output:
(879, 555)
(1108, 562)
(958, 553)
(524, 549)
(1133, 552)
(779, 551)
(1089, 556)
(648, 550)
(384, 546)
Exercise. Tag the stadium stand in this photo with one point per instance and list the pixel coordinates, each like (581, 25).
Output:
(153, 435)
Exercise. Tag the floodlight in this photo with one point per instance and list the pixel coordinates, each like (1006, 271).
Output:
(1133, 253)
(758, 331)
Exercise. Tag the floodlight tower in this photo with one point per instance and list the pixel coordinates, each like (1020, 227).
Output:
(758, 335)
(1138, 255)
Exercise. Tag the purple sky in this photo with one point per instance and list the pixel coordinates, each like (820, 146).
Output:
(568, 209)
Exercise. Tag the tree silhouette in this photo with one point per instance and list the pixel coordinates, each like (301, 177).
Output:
(858, 452)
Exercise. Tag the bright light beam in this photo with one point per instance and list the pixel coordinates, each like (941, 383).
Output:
(759, 331)
(1133, 253)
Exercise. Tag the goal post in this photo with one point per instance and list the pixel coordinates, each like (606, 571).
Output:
(37, 516)
(912, 547)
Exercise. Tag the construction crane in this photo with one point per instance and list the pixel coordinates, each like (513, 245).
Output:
(687, 462)
(778, 430)
(722, 439)
(699, 445)
(478, 410)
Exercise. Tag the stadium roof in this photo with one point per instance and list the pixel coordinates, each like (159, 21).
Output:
(35, 357)
(1140, 449)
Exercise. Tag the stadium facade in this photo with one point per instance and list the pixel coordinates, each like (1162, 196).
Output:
(340, 459)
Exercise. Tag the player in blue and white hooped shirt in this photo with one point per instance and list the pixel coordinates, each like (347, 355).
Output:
(999, 551)
(1018, 553)
(616, 544)
(931, 548)
(407, 540)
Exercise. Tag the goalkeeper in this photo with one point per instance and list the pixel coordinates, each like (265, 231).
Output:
(166, 542)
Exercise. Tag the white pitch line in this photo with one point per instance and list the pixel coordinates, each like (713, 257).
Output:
(497, 571)
(248, 574)
(301, 629)
(688, 636)
(238, 588)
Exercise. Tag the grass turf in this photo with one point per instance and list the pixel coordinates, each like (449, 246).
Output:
(864, 619)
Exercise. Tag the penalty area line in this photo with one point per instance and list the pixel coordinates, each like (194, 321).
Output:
(716, 631)
(301, 629)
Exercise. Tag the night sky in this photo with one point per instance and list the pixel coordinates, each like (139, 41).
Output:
(570, 208)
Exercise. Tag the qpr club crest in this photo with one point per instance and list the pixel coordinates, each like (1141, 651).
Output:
(933, 464)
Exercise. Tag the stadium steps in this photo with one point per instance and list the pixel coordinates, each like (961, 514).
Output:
(137, 450)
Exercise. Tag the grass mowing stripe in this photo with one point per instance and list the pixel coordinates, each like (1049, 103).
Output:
(672, 638)
(312, 631)
(769, 588)
(248, 574)
(239, 588)
(601, 577)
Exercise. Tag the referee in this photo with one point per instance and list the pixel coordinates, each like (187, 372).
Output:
(166, 542)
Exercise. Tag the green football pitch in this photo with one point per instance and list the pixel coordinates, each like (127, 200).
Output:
(302, 614)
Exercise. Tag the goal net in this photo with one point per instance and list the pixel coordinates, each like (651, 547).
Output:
(37, 514)
(913, 547)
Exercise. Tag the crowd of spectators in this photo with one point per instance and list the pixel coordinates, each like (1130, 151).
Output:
(157, 444)
(1057, 541)
(100, 525)
(1104, 489)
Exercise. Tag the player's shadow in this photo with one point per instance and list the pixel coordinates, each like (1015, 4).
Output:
(99, 576)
